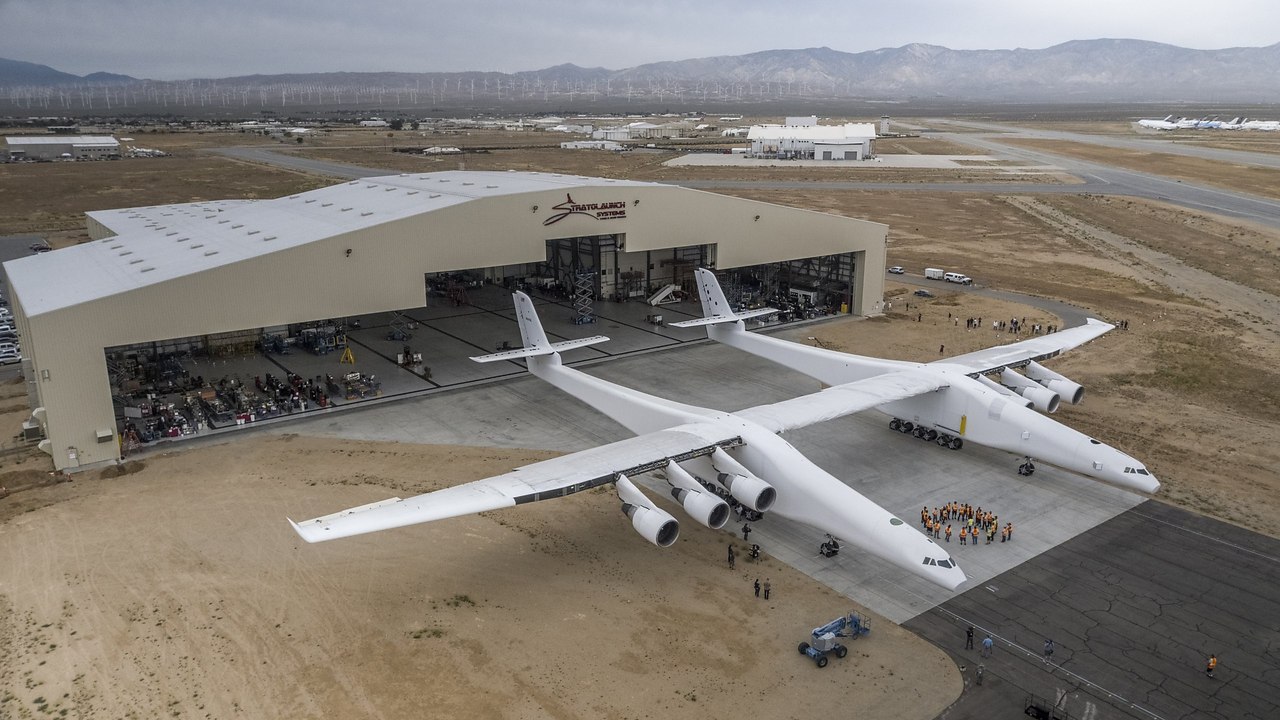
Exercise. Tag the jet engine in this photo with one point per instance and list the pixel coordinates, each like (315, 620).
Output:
(656, 526)
(742, 485)
(1006, 392)
(1044, 399)
(701, 505)
(1072, 391)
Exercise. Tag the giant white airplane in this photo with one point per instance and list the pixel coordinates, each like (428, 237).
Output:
(700, 452)
(970, 406)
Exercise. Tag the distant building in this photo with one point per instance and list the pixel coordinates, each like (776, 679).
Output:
(592, 145)
(851, 141)
(803, 121)
(374, 123)
(644, 131)
(53, 147)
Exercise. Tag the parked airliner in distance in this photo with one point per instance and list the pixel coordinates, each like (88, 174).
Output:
(703, 455)
(971, 407)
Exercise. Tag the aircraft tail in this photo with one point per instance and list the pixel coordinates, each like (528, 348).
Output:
(715, 306)
(534, 337)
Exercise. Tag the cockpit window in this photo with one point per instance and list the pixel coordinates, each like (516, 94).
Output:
(929, 561)
(1095, 442)
(944, 563)
(1143, 471)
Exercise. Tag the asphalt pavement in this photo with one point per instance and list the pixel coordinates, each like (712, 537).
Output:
(1134, 608)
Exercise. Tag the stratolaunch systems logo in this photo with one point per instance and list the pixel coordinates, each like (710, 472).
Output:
(597, 211)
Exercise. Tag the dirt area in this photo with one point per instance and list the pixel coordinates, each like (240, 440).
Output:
(40, 197)
(1244, 178)
(177, 589)
(920, 146)
(647, 165)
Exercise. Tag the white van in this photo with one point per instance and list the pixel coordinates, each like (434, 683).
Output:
(933, 273)
(956, 277)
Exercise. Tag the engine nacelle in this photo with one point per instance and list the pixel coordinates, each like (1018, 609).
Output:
(703, 507)
(750, 491)
(997, 387)
(1042, 398)
(742, 485)
(1072, 391)
(655, 525)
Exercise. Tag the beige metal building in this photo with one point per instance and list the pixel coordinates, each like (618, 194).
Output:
(175, 271)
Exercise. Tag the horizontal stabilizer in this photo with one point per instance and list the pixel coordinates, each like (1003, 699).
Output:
(545, 350)
(719, 319)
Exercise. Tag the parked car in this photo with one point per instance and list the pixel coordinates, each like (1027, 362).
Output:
(923, 293)
(896, 270)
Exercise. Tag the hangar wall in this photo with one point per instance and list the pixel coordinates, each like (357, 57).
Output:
(384, 271)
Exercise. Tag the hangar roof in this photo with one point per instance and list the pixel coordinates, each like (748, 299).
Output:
(16, 140)
(163, 242)
(812, 132)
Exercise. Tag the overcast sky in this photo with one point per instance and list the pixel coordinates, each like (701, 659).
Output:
(177, 39)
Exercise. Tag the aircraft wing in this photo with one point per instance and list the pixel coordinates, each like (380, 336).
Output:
(1037, 348)
(841, 400)
(540, 481)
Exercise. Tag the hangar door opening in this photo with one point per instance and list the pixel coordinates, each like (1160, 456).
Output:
(602, 263)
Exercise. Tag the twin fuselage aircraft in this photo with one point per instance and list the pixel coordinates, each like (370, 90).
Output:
(705, 455)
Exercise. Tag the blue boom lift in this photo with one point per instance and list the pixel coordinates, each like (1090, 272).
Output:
(824, 638)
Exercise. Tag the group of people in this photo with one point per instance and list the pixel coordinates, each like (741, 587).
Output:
(974, 523)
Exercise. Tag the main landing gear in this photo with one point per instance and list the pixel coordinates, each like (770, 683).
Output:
(1027, 467)
(829, 548)
(924, 433)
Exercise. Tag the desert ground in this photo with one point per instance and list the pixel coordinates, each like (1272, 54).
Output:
(172, 587)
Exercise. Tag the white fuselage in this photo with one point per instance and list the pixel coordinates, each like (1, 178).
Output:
(966, 408)
(805, 492)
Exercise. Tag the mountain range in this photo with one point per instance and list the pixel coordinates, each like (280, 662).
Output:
(1103, 70)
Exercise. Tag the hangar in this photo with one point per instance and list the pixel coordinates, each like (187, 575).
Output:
(53, 147)
(811, 141)
(201, 276)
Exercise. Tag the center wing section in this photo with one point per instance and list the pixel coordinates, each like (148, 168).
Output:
(1038, 348)
(842, 400)
(553, 478)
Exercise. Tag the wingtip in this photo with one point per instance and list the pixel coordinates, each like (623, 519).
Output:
(298, 529)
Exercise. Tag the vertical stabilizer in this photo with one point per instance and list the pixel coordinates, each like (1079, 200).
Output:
(715, 306)
(713, 300)
(531, 333)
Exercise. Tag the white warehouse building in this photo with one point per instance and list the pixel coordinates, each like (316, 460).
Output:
(52, 147)
(192, 273)
(850, 141)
